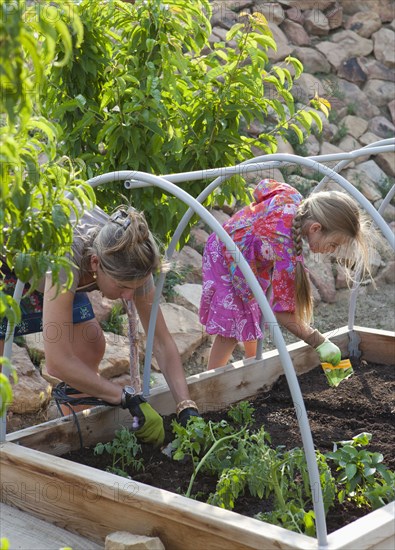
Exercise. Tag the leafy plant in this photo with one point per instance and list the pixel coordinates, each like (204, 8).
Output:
(5, 385)
(361, 472)
(148, 92)
(382, 492)
(114, 323)
(244, 461)
(35, 208)
(123, 449)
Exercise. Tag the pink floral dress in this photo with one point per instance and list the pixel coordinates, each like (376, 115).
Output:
(263, 233)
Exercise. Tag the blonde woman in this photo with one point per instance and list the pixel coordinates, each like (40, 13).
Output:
(118, 256)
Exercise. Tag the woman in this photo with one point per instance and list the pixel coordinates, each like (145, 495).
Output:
(118, 256)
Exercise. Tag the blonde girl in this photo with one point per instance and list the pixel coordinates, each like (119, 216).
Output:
(270, 233)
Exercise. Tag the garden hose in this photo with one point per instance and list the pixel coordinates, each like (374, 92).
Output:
(64, 394)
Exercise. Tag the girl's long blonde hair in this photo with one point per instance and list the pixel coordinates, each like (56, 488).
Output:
(338, 213)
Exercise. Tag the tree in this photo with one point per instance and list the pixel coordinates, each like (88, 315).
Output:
(35, 209)
(145, 90)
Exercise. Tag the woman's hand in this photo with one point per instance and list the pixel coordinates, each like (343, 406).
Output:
(152, 431)
(147, 423)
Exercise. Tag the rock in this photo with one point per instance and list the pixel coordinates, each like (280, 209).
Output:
(283, 48)
(316, 23)
(123, 540)
(368, 138)
(220, 216)
(273, 11)
(341, 277)
(198, 238)
(259, 175)
(363, 183)
(387, 13)
(302, 184)
(384, 46)
(364, 23)
(391, 108)
(389, 211)
(329, 149)
(220, 33)
(352, 95)
(382, 127)
(375, 69)
(188, 295)
(313, 60)
(372, 172)
(284, 147)
(349, 143)
(185, 328)
(102, 307)
(386, 161)
(356, 126)
(303, 5)
(379, 92)
(31, 393)
(223, 15)
(351, 7)
(189, 260)
(351, 69)
(375, 263)
(116, 357)
(343, 45)
(329, 130)
(35, 345)
(307, 87)
(312, 145)
(334, 14)
(295, 33)
(295, 14)
(387, 275)
(321, 274)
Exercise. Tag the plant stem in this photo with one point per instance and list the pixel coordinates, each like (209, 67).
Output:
(203, 460)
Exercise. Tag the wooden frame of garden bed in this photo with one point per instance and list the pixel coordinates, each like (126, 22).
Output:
(93, 503)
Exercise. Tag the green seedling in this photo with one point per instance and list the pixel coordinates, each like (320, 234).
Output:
(361, 474)
(123, 448)
(245, 462)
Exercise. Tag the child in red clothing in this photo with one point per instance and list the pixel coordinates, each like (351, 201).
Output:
(270, 233)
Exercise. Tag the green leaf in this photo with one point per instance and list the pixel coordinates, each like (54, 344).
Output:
(317, 119)
(233, 31)
(298, 132)
(297, 65)
(350, 470)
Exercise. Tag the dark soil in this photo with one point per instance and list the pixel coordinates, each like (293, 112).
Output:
(362, 403)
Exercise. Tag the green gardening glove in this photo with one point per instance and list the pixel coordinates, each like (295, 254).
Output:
(152, 431)
(147, 423)
(329, 353)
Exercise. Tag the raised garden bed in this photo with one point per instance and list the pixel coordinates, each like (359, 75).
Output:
(93, 503)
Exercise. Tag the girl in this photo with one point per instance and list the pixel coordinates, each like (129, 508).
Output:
(270, 234)
(116, 255)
